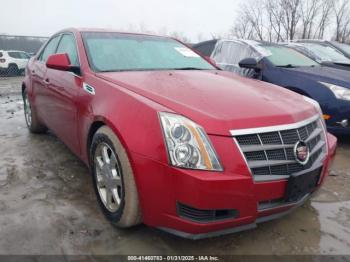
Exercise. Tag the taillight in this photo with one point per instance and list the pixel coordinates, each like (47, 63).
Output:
(2, 60)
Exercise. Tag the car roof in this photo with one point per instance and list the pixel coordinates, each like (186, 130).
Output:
(319, 41)
(106, 30)
(255, 44)
(205, 42)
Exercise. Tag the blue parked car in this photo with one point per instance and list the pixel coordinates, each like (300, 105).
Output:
(288, 68)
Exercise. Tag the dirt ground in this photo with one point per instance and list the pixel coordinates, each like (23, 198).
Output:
(47, 205)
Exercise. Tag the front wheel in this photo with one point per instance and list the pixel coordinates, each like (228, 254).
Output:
(113, 179)
(30, 115)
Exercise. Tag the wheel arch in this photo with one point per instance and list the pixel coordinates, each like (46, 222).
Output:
(92, 130)
(95, 125)
(14, 64)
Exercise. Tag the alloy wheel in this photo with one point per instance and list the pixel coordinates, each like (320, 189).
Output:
(27, 110)
(108, 177)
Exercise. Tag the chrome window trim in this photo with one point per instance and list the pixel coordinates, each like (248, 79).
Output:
(266, 129)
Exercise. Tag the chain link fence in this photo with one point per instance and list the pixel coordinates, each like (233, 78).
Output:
(15, 51)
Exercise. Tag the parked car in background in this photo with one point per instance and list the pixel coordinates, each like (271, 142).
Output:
(341, 47)
(31, 54)
(206, 48)
(291, 69)
(171, 140)
(344, 48)
(13, 62)
(322, 53)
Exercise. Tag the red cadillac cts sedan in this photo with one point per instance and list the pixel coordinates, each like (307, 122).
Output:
(172, 141)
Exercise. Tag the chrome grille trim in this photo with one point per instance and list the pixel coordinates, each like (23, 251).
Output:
(273, 128)
(268, 151)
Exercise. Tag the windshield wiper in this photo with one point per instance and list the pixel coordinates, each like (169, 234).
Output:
(151, 69)
(287, 66)
(187, 68)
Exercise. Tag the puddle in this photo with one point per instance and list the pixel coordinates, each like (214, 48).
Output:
(334, 219)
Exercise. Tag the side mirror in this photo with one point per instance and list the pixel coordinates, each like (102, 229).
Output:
(249, 63)
(61, 62)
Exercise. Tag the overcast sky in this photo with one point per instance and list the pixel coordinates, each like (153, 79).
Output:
(191, 17)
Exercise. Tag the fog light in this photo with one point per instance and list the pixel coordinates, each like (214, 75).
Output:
(344, 123)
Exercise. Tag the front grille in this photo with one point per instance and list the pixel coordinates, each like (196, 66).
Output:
(205, 215)
(270, 153)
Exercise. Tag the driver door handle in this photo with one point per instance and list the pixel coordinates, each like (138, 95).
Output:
(47, 81)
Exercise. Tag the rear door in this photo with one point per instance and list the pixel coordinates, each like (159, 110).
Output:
(63, 88)
(38, 72)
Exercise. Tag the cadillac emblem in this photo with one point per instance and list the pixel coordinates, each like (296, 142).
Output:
(301, 152)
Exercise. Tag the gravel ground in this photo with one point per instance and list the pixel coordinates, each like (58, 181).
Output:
(47, 205)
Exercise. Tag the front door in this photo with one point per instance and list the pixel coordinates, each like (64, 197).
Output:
(63, 88)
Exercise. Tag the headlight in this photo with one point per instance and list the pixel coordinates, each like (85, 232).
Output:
(187, 144)
(339, 91)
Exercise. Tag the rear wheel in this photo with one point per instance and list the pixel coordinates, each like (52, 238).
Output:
(12, 70)
(114, 179)
(30, 115)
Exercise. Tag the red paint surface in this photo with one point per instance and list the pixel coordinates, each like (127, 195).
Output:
(129, 102)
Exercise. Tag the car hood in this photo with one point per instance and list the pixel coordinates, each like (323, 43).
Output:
(324, 74)
(219, 101)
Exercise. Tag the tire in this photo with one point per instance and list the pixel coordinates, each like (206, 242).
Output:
(31, 118)
(112, 172)
(12, 70)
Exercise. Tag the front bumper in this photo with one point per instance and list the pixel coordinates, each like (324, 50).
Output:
(338, 130)
(338, 110)
(233, 189)
(240, 228)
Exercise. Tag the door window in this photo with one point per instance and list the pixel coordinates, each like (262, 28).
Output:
(49, 49)
(67, 45)
(228, 54)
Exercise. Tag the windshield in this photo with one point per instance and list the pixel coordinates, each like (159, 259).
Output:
(286, 57)
(109, 52)
(342, 46)
(326, 53)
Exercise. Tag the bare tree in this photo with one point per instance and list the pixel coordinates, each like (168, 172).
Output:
(254, 15)
(342, 19)
(275, 16)
(242, 27)
(281, 20)
(309, 10)
(325, 13)
(291, 17)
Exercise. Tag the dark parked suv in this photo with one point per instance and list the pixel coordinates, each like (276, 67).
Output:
(288, 68)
